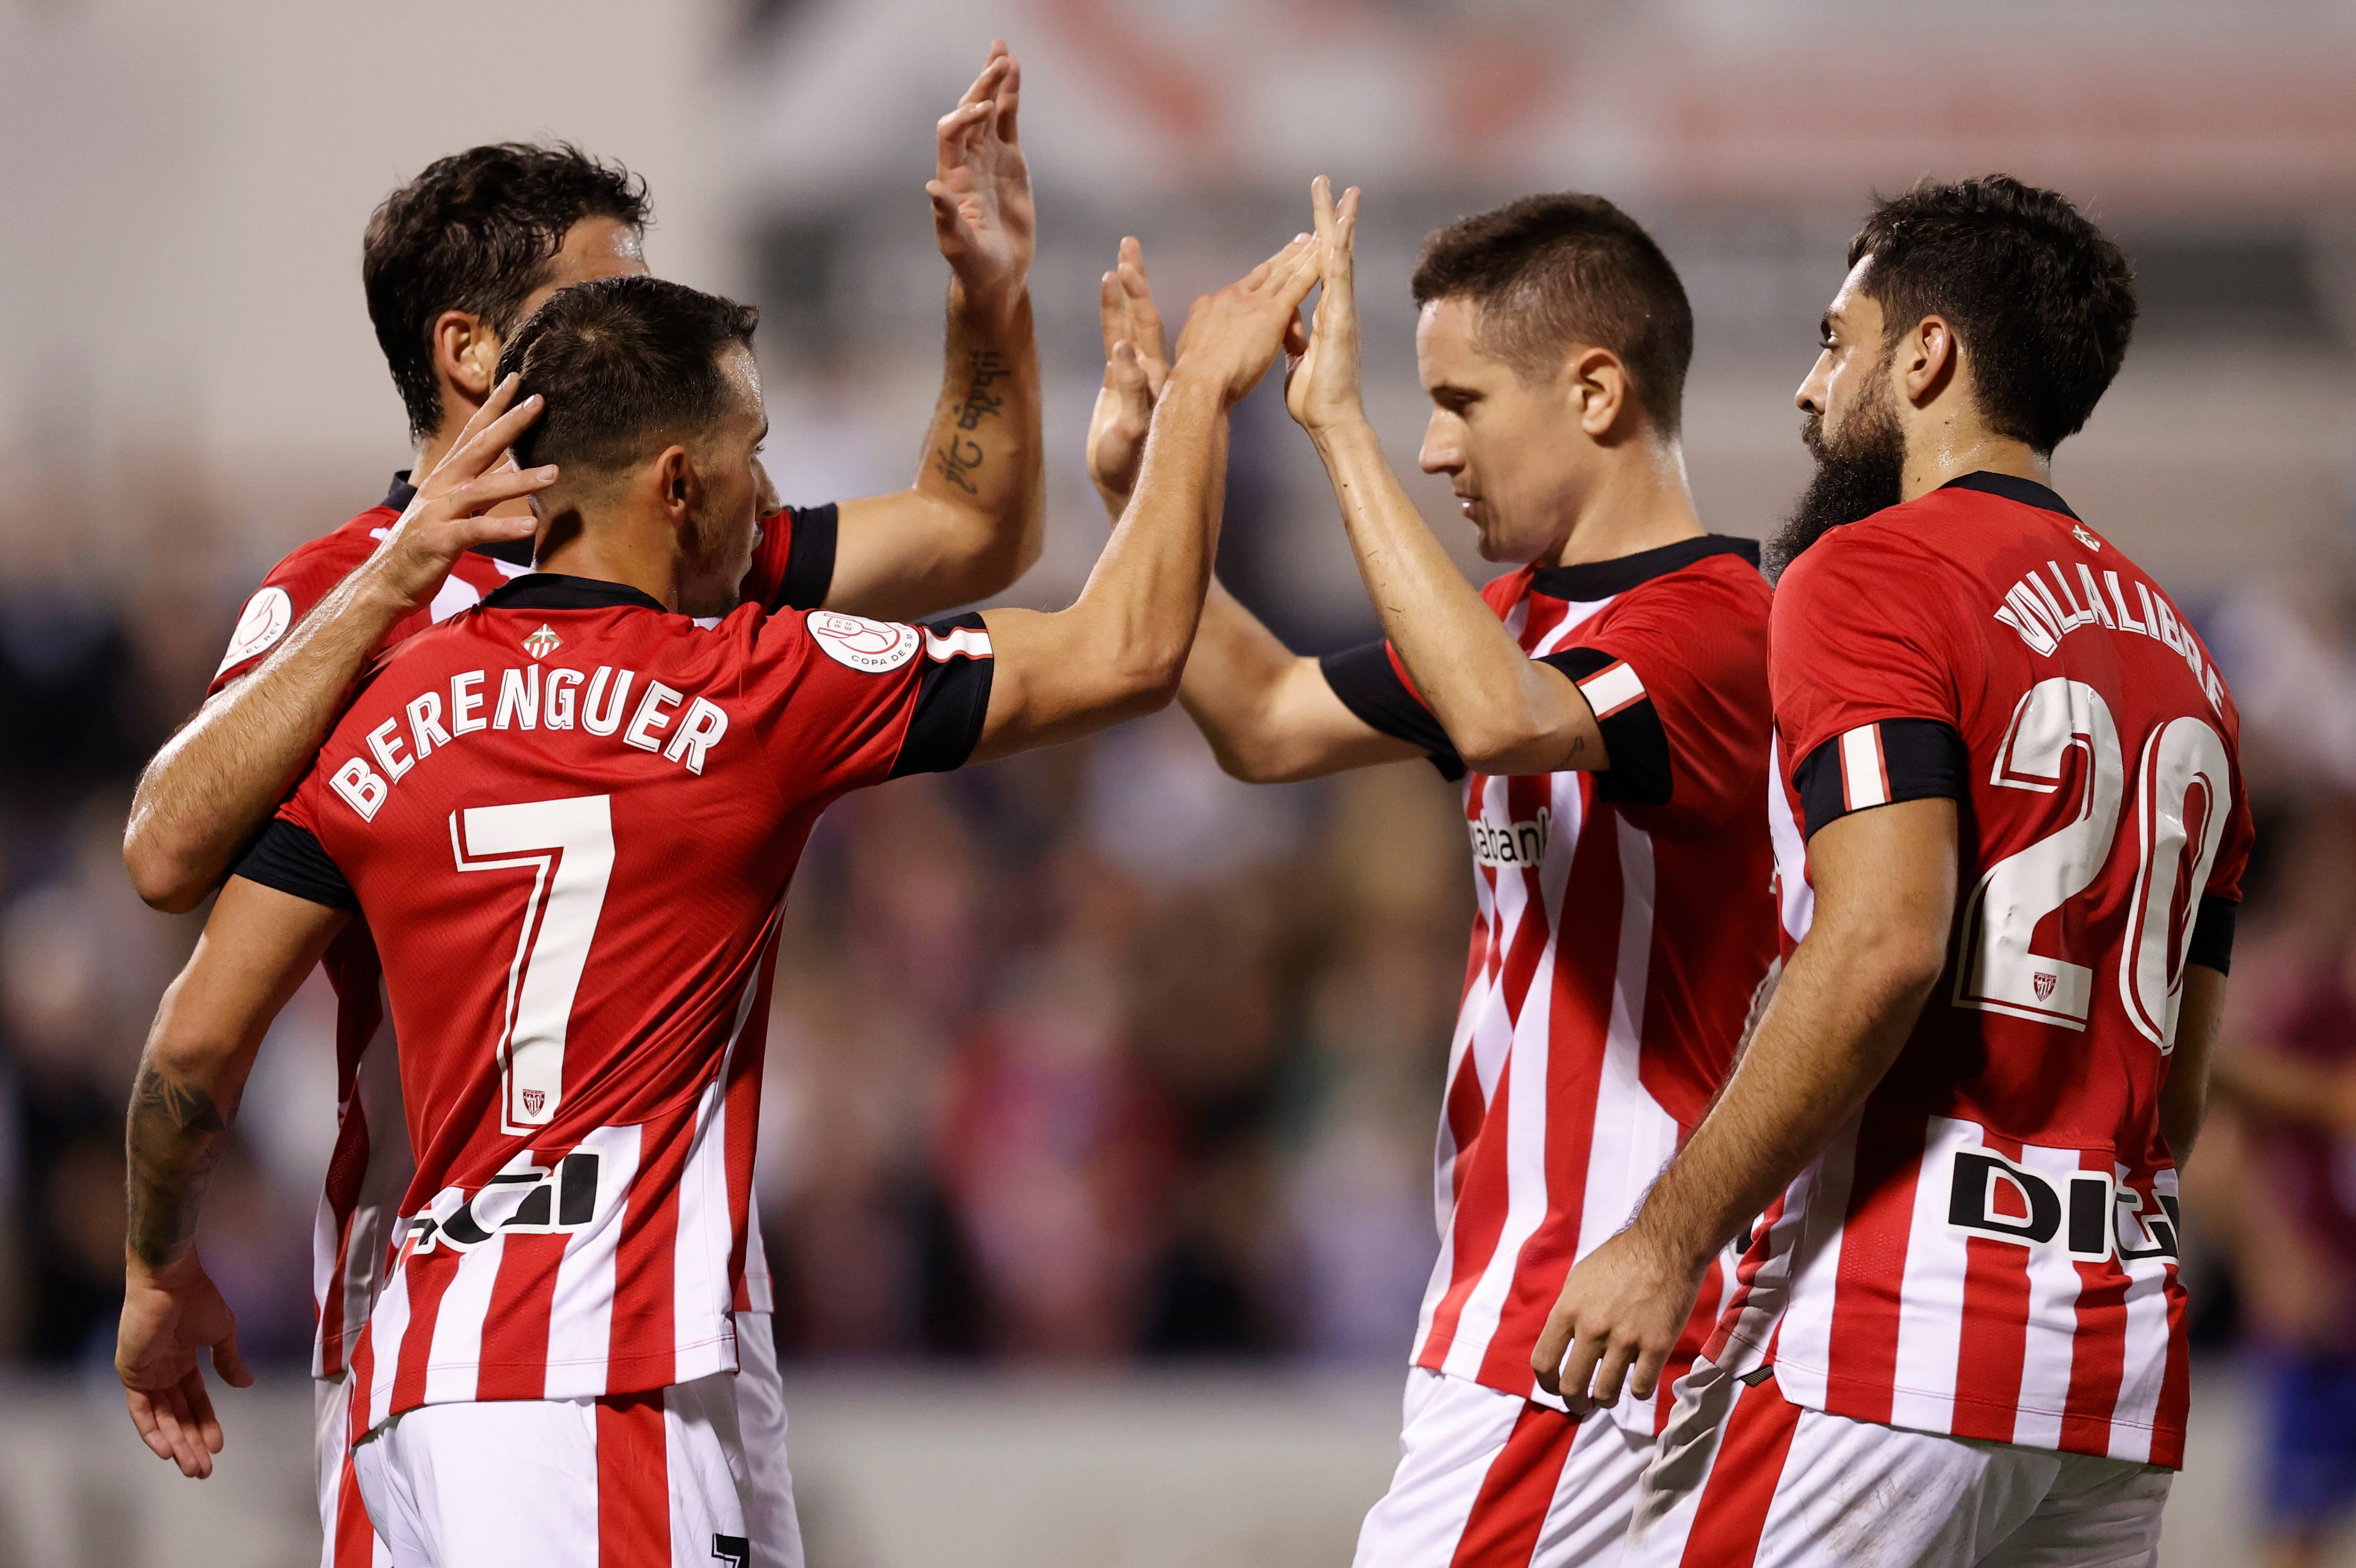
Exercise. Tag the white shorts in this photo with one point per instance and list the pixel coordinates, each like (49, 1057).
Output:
(1745, 1477)
(1489, 1479)
(765, 1490)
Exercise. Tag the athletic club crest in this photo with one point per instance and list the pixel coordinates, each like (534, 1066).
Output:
(540, 645)
(533, 1099)
(2044, 983)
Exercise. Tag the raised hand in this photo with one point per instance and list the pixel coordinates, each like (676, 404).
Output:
(171, 1314)
(1232, 336)
(451, 512)
(982, 211)
(1136, 362)
(1321, 386)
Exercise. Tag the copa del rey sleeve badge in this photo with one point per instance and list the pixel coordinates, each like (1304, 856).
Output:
(872, 646)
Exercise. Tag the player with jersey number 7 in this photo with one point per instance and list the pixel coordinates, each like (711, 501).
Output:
(2009, 773)
(569, 816)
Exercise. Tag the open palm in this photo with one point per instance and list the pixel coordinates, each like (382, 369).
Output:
(982, 209)
(1320, 387)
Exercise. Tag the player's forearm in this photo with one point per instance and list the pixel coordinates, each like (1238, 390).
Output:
(1503, 713)
(176, 1132)
(2184, 1095)
(1233, 674)
(984, 461)
(215, 782)
(1144, 598)
(1839, 1017)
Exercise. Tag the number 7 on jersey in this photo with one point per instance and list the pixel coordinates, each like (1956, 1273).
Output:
(568, 846)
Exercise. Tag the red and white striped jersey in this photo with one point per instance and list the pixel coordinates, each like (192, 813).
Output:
(372, 1165)
(1989, 1249)
(570, 818)
(1624, 921)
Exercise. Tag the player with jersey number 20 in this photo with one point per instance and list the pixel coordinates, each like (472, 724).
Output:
(2012, 828)
(569, 816)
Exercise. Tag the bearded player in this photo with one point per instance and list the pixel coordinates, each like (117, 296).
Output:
(2012, 831)
(452, 263)
(576, 773)
(1606, 703)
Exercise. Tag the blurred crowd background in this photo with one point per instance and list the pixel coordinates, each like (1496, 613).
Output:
(1096, 1056)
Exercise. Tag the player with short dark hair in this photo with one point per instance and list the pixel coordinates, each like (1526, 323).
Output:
(570, 815)
(454, 261)
(2011, 828)
(1605, 703)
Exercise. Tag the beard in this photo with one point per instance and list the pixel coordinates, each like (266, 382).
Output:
(1859, 470)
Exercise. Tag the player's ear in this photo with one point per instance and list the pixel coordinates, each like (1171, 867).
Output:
(466, 353)
(676, 485)
(1598, 389)
(1927, 358)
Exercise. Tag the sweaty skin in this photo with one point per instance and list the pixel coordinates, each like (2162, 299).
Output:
(1115, 653)
(969, 526)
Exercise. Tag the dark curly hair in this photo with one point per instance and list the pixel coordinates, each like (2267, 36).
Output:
(2043, 301)
(627, 365)
(1554, 269)
(477, 232)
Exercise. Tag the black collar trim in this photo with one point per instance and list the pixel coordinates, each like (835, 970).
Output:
(555, 591)
(514, 551)
(1601, 579)
(2012, 487)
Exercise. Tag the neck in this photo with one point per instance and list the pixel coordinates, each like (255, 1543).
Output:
(612, 551)
(436, 447)
(1642, 504)
(1948, 450)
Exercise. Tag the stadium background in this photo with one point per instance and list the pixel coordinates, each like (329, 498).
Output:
(1096, 1161)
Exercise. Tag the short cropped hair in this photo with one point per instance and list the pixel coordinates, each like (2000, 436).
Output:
(1548, 272)
(628, 365)
(477, 232)
(2043, 301)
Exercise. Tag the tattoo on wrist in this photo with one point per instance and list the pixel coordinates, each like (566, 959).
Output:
(175, 1137)
(957, 459)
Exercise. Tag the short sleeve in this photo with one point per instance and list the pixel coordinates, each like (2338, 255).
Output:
(793, 566)
(285, 597)
(845, 702)
(1372, 685)
(1863, 633)
(1677, 676)
(292, 859)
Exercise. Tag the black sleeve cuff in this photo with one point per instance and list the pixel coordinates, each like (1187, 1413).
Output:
(2213, 934)
(291, 860)
(1369, 685)
(810, 558)
(952, 696)
(1880, 765)
(1639, 774)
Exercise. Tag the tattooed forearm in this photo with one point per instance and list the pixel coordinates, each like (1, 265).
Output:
(175, 1137)
(958, 457)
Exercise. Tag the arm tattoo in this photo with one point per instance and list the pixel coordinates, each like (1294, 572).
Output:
(957, 459)
(175, 1137)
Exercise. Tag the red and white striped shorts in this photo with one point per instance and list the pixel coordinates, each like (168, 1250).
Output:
(1489, 1479)
(1744, 1478)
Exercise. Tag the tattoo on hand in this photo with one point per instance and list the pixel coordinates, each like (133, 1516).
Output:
(175, 1137)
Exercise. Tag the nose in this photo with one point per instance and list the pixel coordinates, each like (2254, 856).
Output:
(1442, 451)
(1810, 398)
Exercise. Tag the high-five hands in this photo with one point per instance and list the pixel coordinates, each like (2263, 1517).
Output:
(1137, 364)
(1232, 336)
(451, 512)
(1320, 385)
(982, 211)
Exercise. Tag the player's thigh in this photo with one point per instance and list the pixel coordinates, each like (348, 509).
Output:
(770, 1519)
(2098, 1513)
(347, 1540)
(1478, 1475)
(1776, 1486)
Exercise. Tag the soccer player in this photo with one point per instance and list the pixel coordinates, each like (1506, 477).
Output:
(1608, 699)
(569, 815)
(2013, 816)
(453, 262)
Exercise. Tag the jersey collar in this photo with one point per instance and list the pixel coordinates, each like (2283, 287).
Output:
(2012, 487)
(555, 591)
(1600, 579)
(514, 551)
